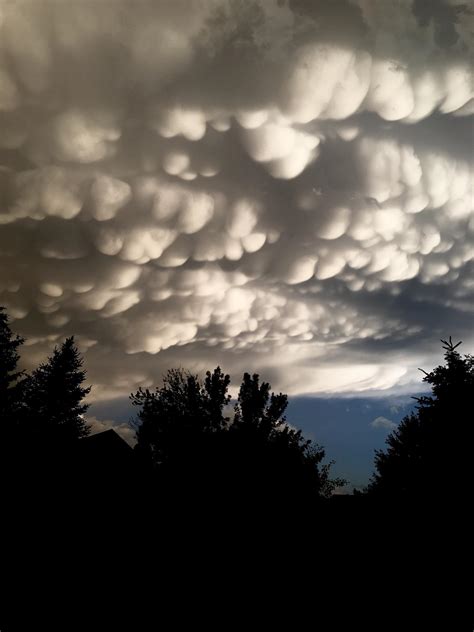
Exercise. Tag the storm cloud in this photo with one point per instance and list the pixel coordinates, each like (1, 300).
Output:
(276, 186)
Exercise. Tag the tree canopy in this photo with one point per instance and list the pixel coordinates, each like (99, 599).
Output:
(276, 453)
(175, 416)
(184, 430)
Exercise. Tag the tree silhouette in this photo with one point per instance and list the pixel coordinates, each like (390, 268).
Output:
(277, 455)
(256, 408)
(53, 398)
(424, 452)
(173, 418)
(183, 433)
(10, 376)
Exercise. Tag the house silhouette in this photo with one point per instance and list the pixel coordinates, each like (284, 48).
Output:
(105, 454)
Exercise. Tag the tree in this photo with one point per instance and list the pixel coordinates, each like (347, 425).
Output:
(424, 454)
(278, 457)
(54, 408)
(10, 376)
(183, 433)
(174, 418)
(257, 409)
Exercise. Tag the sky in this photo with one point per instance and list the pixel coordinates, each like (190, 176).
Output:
(274, 186)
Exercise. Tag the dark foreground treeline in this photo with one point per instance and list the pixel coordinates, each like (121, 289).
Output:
(190, 442)
(228, 485)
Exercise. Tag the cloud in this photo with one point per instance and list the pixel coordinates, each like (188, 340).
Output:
(274, 186)
(384, 423)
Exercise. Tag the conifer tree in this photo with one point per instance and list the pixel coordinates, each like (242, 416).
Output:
(10, 376)
(54, 395)
(427, 452)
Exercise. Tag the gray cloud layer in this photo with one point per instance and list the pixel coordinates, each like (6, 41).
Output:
(281, 186)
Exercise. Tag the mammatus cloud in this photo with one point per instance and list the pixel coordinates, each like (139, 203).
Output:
(275, 186)
(383, 423)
